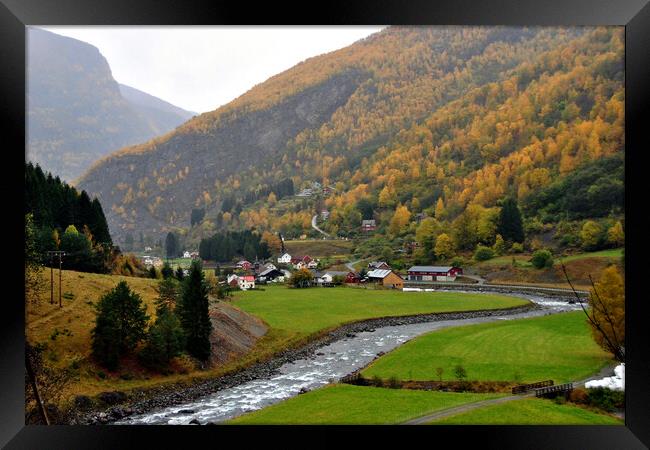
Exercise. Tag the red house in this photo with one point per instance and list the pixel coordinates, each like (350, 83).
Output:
(246, 265)
(352, 277)
(368, 225)
(434, 273)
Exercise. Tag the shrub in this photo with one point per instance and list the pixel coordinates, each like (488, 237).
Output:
(517, 247)
(376, 381)
(394, 383)
(483, 253)
(460, 372)
(579, 396)
(606, 399)
(542, 258)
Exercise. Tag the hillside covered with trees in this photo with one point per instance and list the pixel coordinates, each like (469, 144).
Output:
(427, 130)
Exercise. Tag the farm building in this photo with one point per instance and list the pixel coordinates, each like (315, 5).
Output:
(352, 277)
(434, 273)
(271, 274)
(326, 278)
(378, 265)
(246, 282)
(246, 265)
(386, 278)
(285, 258)
(304, 262)
(368, 225)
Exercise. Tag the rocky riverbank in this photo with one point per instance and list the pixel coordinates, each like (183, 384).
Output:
(140, 402)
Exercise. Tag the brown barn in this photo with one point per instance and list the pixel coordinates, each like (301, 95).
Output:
(386, 278)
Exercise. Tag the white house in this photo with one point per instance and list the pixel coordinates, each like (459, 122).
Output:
(246, 282)
(312, 264)
(186, 254)
(284, 259)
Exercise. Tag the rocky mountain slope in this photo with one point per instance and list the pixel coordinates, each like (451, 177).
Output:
(77, 112)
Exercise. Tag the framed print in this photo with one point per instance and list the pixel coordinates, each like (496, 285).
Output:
(377, 215)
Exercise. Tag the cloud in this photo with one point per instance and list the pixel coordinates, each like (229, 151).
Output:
(200, 68)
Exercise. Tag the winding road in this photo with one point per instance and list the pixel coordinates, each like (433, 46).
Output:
(315, 227)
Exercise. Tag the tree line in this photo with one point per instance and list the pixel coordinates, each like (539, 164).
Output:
(224, 246)
(182, 323)
(64, 219)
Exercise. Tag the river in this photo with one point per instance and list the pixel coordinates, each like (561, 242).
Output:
(326, 365)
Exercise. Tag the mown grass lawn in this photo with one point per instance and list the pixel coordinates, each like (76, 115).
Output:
(347, 404)
(309, 310)
(529, 412)
(557, 347)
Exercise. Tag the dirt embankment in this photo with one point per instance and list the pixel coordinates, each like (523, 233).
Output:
(234, 333)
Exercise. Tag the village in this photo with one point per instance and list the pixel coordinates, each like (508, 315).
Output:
(245, 275)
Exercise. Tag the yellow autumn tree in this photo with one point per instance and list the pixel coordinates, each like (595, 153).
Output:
(445, 246)
(400, 220)
(440, 208)
(615, 234)
(273, 241)
(607, 312)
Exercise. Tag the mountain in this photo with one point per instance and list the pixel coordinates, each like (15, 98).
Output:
(161, 115)
(76, 111)
(408, 117)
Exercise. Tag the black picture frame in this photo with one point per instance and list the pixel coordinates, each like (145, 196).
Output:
(633, 14)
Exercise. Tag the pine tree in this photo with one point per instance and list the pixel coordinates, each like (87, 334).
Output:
(179, 273)
(510, 225)
(119, 326)
(193, 313)
(167, 271)
(164, 340)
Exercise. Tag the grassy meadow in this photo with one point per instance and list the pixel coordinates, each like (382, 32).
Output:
(530, 412)
(557, 347)
(293, 315)
(356, 405)
(306, 311)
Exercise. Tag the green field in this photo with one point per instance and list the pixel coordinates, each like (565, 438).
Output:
(529, 412)
(318, 248)
(611, 253)
(346, 404)
(557, 347)
(309, 310)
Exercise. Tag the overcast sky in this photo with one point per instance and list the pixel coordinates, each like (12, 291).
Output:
(200, 68)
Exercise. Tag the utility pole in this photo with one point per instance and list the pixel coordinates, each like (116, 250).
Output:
(51, 280)
(60, 254)
(32, 379)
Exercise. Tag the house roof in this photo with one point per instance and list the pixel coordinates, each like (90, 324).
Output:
(247, 278)
(269, 270)
(379, 273)
(368, 222)
(430, 269)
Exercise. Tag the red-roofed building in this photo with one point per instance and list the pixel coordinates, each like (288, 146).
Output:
(246, 282)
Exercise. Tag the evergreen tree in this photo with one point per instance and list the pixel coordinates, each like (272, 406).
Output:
(171, 245)
(193, 313)
(152, 272)
(167, 295)
(510, 226)
(179, 273)
(119, 325)
(164, 340)
(167, 271)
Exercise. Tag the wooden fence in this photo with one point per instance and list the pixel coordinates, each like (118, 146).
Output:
(529, 387)
(559, 388)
